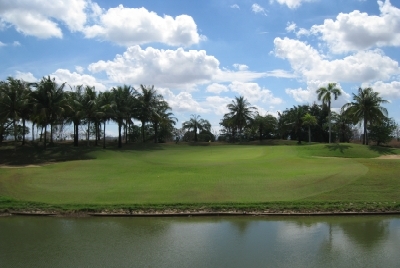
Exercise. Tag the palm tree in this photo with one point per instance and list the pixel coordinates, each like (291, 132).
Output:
(309, 120)
(295, 116)
(105, 103)
(90, 108)
(49, 104)
(14, 101)
(147, 102)
(325, 94)
(366, 107)
(75, 113)
(162, 117)
(121, 106)
(240, 112)
(196, 123)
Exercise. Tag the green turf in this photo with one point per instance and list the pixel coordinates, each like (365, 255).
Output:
(170, 174)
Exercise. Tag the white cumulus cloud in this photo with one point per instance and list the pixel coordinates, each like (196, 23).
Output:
(135, 26)
(363, 66)
(388, 91)
(76, 79)
(217, 88)
(40, 19)
(254, 93)
(256, 8)
(291, 3)
(358, 30)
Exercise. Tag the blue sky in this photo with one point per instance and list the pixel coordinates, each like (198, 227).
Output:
(201, 54)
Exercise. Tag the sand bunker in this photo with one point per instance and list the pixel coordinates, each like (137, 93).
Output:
(28, 166)
(391, 156)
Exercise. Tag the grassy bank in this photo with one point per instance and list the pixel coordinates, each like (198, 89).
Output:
(318, 177)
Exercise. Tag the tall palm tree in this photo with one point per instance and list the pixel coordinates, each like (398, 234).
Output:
(309, 120)
(295, 117)
(147, 102)
(366, 108)
(196, 123)
(90, 108)
(75, 113)
(105, 103)
(14, 101)
(325, 94)
(240, 112)
(121, 106)
(50, 104)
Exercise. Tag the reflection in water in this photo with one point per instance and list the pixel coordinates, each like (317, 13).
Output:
(200, 242)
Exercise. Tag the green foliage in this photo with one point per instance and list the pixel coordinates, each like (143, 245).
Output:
(382, 132)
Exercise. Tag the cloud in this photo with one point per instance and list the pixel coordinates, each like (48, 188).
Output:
(291, 27)
(291, 3)
(235, 6)
(256, 8)
(135, 26)
(183, 69)
(182, 102)
(309, 94)
(164, 68)
(241, 67)
(38, 18)
(280, 73)
(254, 93)
(79, 69)
(76, 79)
(363, 66)
(2, 44)
(389, 90)
(356, 30)
(16, 44)
(217, 88)
(27, 77)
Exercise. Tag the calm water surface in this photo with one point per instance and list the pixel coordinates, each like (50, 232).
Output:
(200, 242)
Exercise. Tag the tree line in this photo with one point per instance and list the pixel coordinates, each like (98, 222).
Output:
(48, 105)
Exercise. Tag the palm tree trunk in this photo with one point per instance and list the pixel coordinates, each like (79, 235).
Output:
(96, 133)
(33, 131)
(260, 131)
(51, 133)
(309, 134)
(365, 140)
(195, 134)
(15, 134)
(45, 130)
(76, 136)
(329, 118)
(142, 131)
(126, 131)
(104, 135)
(119, 134)
(88, 133)
(23, 131)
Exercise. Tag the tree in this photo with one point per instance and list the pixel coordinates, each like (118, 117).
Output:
(90, 108)
(196, 123)
(14, 101)
(240, 113)
(164, 120)
(265, 125)
(325, 94)
(382, 132)
(49, 104)
(148, 101)
(75, 113)
(295, 117)
(309, 120)
(105, 103)
(366, 108)
(122, 106)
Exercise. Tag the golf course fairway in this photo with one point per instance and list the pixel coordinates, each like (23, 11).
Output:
(183, 174)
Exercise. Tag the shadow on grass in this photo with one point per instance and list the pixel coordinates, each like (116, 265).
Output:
(338, 147)
(382, 150)
(32, 153)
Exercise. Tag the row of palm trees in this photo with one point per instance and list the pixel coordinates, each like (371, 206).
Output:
(47, 104)
(364, 109)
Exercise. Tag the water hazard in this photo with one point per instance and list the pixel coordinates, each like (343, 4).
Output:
(200, 242)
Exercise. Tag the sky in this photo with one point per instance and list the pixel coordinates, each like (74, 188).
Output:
(201, 54)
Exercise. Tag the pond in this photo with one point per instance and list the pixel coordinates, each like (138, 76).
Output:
(360, 241)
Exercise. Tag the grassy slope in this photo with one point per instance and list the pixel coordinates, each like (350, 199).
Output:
(210, 174)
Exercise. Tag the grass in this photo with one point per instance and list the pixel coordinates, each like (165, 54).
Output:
(218, 176)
